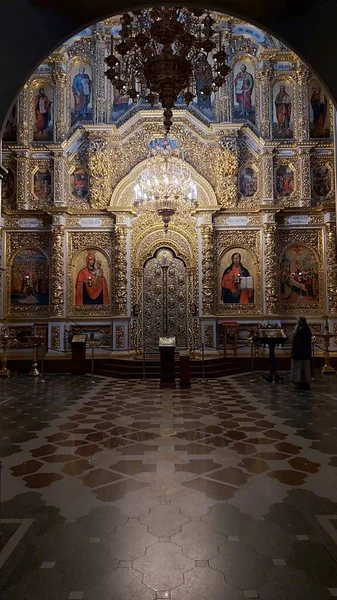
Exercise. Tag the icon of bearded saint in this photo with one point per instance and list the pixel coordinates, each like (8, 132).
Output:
(91, 285)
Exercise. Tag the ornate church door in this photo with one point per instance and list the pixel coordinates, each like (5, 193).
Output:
(165, 299)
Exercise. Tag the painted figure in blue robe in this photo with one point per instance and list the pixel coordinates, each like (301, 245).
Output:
(82, 93)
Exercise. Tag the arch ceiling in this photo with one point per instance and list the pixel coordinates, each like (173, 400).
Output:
(31, 29)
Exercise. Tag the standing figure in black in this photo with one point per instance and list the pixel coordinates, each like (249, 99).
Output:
(301, 355)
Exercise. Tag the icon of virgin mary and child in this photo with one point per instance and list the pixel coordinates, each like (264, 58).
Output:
(237, 283)
(91, 285)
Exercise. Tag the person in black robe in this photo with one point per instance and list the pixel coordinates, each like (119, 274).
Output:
(301, 355)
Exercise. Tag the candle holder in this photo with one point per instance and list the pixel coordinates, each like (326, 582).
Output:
(327, 369)
(4, 339)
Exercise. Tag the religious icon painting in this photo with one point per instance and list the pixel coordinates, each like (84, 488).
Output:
(284, 181)
(283, 110)
(120, 105)
(10, 133)
(299, 280)
(81, 92)
(90, 276)
(321, 181)
(237, 277)
(8, 186)
(30, 278)
(319, 120)
(244, 90)
(248, 182)
(43, 104)
(42, 184)
(79, 183)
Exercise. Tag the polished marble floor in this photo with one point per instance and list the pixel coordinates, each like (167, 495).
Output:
(118, 490)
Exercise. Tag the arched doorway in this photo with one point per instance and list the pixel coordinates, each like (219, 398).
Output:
(164, 299)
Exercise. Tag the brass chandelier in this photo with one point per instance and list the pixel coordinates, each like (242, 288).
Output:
(165, 185)
(159, 53)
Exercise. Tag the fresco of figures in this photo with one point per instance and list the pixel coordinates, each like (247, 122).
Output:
(43, 100)
(10, 132)
(244, 90)
(321, 180)
(81, 96)
(30, 278)
(248, 182)
(90, 276)
(299, 276)
(283, 110)
(79, 183)
(42, 184)
(237, 276)
(284, 181)
(319, 111)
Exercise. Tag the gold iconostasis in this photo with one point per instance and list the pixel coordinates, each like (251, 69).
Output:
(260, 244)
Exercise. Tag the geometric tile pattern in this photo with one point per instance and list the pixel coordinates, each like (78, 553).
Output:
(119, 489)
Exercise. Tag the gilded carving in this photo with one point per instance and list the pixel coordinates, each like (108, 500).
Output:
(265, 73)
(55, 337)
(23, 130)
(302, 76)
(57, 270)
(120, 336)
(304, 176)
(59, 78)
(121, 281)
(331, 261)
(271, 279)
(207, 270)
(209, 336)
(267, 175)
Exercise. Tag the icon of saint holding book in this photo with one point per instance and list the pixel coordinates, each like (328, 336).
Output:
(237, 283)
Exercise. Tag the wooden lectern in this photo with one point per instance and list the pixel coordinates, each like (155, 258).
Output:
(271, 337)
(167, 348)
(78, 354)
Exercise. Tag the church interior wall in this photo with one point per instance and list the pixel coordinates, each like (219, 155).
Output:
(265, 172)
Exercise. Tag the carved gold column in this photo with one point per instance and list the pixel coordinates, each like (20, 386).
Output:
(100, 46)
(304, 176)
(24, 112)
(207, 269)
(57, 268)
(223, 105)
(59, 78)
(265, 74)
(100, 169)
(302, 76)
(60, 188)
(331, 261)
(267, 175)
(22, 179)
(271, 279)
(121, 270)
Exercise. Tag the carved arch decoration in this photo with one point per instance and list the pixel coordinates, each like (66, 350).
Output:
(122, 196)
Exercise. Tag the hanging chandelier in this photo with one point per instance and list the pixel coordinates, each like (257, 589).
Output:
(166, 52)
(165, 185)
